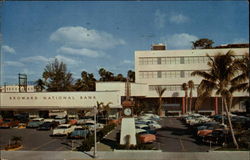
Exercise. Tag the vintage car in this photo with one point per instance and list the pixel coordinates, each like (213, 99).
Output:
(72, 121)
(145, 127)
(202, 133)
(8, 123)
(91, 125)
(60, 119)
(79, 132)
(48, 125)
(218, 137)
(144, 136)
(63, 129)
(34, 123)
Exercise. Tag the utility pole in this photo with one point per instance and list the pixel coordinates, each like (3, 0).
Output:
(95, 146)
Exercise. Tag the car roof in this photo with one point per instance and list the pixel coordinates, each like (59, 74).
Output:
(65, 125)
(39, 119)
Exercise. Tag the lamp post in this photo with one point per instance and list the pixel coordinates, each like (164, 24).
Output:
(95, 146)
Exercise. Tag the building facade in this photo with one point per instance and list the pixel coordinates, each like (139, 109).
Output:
(171, 68)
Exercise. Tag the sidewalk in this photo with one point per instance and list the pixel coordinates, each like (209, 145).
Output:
(125, 155)
(109, 141)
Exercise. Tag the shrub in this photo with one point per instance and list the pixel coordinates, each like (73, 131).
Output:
(88, 143)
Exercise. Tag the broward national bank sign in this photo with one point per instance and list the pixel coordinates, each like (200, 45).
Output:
(59, 100)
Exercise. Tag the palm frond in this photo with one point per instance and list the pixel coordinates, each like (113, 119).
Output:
(239, 87)
(204, 75)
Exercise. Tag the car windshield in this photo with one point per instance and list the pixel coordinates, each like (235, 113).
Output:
(63, 127)
(89, 124)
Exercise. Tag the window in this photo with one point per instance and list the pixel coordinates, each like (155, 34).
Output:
(159, 74)
(182, 74)
(158, 60)
(182, 60)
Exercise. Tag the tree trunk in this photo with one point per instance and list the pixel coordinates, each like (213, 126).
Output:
(190, 101)
(186, 96)
(230, 123)
(159, 109)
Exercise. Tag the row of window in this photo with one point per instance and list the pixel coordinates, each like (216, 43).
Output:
(164, 74)
(17, 89)
(168, 87)
(174, 60)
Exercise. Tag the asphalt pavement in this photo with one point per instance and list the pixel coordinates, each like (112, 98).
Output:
(174, 136)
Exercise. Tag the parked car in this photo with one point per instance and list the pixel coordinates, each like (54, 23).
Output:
(48, 125)
(36, 122)
(218, 137)
(91, 125)
(9, 123)
(145, 137)
(60, 119)
(79, 132)
(202, 133)
(146, 127)
(63, 129)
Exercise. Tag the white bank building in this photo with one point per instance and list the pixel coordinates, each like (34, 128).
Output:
(156, 67)
(170, 69)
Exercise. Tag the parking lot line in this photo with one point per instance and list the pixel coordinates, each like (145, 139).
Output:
(43, 144)
(182, 146)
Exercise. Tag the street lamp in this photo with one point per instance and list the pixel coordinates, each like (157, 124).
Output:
(95, 146)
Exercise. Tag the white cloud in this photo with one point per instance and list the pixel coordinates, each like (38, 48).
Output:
(13, 63)
(80, 37)
(8, 49)
(28, 71)
(35, 59)
(82, 52)
(160, 19)
(127, 61)
(64, 59)
(181, 41)
(179, 18)
(240, 40)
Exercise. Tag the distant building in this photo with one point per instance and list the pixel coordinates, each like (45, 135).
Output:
(15, 88)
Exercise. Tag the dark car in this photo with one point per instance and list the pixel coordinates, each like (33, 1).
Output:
(218, 137)
(48, 126)
(9, 123)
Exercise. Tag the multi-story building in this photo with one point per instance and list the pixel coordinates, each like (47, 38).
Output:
(170, 69)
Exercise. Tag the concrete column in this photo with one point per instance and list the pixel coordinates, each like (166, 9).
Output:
(183, 105)
(215, 105)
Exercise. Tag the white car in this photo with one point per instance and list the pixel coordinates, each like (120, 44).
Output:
(60, 119)
(63, 129)
(91, 125)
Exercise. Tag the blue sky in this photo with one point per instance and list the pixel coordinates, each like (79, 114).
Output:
(90, 35)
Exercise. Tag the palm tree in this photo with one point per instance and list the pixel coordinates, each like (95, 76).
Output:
(106, 109)
(160, 91)
(191, 87)
(185, 88)
(40, 85)
(218, 78)
(241, 82)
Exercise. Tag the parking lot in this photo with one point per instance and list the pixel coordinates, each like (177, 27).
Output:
(175, 137)
(37, 140)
